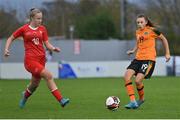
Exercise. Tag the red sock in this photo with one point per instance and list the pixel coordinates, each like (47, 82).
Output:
(57, 94)
(27, 94)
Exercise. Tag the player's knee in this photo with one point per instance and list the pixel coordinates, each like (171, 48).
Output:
(126, 77)
(138, 82)
(49, 76)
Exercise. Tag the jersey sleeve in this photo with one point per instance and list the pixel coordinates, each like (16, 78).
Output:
(18, 32)
(45, 34)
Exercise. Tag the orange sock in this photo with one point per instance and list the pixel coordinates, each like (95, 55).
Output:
(130, 90)
(140, 89)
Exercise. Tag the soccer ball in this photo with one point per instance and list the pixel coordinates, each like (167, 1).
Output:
(112, 103)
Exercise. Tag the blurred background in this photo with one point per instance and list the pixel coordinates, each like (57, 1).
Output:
(94, 35)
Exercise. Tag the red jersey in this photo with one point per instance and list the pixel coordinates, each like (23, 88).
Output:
(33, 39)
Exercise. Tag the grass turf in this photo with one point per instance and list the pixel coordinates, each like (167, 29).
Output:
(87, 99)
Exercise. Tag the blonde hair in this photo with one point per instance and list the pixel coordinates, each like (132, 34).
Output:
(33, 12)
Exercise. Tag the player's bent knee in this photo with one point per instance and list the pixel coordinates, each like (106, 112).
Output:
(127, 77)
(49, 76)
(46, 75)
(138, 82)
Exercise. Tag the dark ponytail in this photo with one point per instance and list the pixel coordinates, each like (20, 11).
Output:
(149, 23)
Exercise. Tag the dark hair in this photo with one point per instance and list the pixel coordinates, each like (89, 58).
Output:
(32, 12)
(149, 23)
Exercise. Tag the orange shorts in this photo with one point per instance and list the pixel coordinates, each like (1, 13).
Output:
(35, 66)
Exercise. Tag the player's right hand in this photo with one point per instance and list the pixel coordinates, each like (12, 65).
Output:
(129, 52)
(6, 53)
(56, 49)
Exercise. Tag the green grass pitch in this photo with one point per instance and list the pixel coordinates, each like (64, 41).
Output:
(87, 99)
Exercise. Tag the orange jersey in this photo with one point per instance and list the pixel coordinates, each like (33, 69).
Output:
(146, 43)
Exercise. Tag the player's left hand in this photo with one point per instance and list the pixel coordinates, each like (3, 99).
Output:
(168, 57)
(6, 53)
(56, 49)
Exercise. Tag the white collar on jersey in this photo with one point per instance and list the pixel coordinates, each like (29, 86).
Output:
(33, 28)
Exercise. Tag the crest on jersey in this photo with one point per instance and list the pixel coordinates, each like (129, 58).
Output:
(146, 33)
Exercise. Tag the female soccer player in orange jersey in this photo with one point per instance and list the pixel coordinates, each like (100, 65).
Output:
(35, 36)
(143, 64)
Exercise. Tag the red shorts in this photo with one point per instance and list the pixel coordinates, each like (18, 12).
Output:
(35, 65)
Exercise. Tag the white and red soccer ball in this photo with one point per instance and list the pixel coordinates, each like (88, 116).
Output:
(112, 103)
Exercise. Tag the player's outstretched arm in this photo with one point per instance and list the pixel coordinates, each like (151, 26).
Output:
(49, 46)
(7, 46)
(129, 52)
(166, 46)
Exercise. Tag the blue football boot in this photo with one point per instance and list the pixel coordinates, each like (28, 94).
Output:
(140, 102)
(132, 105)
(64, 102)
(22, 101)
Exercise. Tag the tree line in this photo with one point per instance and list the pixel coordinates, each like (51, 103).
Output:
(101, 19)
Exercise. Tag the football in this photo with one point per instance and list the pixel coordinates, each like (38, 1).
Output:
(112, 103)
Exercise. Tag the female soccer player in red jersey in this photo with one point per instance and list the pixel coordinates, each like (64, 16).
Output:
(35, 36)
(143, 64)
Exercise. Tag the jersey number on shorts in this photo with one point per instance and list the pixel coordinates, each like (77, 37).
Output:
(36, 41)
(144, 67)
